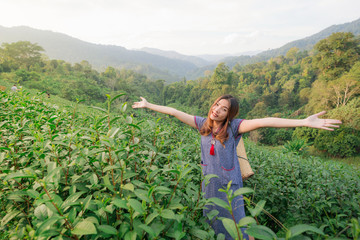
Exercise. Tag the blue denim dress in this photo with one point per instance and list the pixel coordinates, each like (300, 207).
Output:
(224, 164)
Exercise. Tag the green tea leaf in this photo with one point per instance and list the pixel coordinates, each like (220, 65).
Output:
(136, 205)
(149, 230)
(116, 97)
(242, 191)
(219, 202)
(18, 175)
(299, 229)
(246, 221)
(98, 108)
(261, 232)
(9, 216)
(41, 212)
(130, 235)
(142, 194)
(129, 187)
(230, 227)
(108, 229)
(71, 200)
(168, 214)
(162, 190)
(84, 228)
(198, 233)
(47, 223)
(151, 217)
(258, 208)
(120, 203)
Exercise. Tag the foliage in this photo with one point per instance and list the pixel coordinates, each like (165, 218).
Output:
(336, 54)
(69, 174)
(306, 134)
(345, 142)
(20, 54)
(65, 174)
(300, 190)
(273, 136)
(348, 114)
(298, 146)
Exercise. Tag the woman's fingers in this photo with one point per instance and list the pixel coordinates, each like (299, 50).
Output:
(140, 104)
(329, 124)
(319, 114)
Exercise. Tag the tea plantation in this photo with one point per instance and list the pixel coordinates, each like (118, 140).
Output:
(93, 174)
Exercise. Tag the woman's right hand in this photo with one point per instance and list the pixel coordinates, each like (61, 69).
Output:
(142, 104)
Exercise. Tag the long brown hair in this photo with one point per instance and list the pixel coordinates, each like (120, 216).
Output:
(207, 127)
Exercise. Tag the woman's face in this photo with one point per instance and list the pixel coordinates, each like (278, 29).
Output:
(220, 110)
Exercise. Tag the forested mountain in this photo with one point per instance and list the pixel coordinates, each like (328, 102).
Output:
(306, 43)
(302, 44)
(297, 84)
(64, 47)
(154, 63)
(199, 62)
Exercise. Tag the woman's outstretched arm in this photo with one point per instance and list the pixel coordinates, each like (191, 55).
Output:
(312, 121)
(184, 117)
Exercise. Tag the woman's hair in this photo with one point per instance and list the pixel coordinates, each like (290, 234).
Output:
(222, 135)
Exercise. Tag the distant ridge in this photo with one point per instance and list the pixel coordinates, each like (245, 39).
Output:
(64, 47)
(155, 63)
(309, 42)
(199, 62)
(306, 43)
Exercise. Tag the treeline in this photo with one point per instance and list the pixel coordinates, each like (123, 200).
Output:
(23, 63)
(295, 85)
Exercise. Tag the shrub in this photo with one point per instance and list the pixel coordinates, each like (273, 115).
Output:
(275, 136)
(297, 146)
(344, 142)
(304, 190)
(306, 134)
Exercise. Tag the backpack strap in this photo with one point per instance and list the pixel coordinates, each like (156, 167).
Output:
(234, 143)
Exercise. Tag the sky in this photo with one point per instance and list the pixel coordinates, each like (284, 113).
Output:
(191, 27)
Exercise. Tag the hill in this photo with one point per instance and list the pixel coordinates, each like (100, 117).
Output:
(156, 64)
(198, 61)
(306, 43)
(64, 47)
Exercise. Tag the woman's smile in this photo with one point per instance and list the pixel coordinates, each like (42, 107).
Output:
(220, 110)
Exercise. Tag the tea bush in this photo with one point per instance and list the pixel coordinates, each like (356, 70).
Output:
(305, 190)
(345, 142)
(65, 175)
(96, 175)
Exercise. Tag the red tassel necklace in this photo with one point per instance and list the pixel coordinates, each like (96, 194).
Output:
(212, 148)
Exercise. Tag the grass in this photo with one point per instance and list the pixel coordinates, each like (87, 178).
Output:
(312, 151)
(353, 161)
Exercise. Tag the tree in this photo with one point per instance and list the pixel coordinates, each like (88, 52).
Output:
(292, 55)
(220, 80)
(346, 87)
(336, 54)
(22, 54)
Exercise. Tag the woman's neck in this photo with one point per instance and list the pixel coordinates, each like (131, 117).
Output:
(216, 125)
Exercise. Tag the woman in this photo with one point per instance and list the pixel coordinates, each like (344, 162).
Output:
(220, 134)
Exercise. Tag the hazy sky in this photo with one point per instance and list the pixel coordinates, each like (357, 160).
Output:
(186, 26)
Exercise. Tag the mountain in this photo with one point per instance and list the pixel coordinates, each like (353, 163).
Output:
(306, 43)
(64, 47)
(198, 61)
(157, 64)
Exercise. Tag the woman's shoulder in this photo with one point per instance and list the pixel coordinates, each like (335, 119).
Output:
(199, 121)
(236, 122)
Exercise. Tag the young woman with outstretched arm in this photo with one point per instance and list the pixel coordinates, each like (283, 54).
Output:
(220, 134)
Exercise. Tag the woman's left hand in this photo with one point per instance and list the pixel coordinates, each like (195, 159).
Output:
(314, 121)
